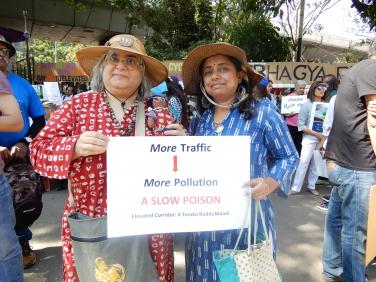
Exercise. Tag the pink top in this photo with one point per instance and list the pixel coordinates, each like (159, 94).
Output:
(292, 120)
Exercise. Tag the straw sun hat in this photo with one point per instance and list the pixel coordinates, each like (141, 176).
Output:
(190, 70)
(89, 56)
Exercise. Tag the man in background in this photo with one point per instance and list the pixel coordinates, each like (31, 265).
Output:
(351, 165)
(14, 146)
(68, 93)
(10, 252)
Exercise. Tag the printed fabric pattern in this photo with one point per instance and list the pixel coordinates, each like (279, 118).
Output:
(269, 138)
(51, 153)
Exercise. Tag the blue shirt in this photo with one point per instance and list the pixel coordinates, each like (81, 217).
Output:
(270, 140)
(29, 104)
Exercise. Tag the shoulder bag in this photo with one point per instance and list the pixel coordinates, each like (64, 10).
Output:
(255, 264)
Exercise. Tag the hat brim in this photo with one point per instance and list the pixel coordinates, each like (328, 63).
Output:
(88, 57)
(190, 69)
(11, 48)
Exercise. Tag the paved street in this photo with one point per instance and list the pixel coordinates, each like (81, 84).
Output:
(300, 236)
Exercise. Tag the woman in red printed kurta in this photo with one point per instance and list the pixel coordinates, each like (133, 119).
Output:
(72, 145)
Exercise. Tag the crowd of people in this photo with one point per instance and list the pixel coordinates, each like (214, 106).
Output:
(131, 94)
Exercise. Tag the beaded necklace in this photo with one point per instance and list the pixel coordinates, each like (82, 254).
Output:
(129, 119)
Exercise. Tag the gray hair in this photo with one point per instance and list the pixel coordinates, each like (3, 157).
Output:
(300, 83)
(97, 84)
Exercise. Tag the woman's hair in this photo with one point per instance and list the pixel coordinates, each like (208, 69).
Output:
(97, 84)
(312, 89)
(261, 92)
(247, 106)
(331, 80)
(300, 83)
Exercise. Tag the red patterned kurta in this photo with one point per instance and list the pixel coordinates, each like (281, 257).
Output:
(51, 153)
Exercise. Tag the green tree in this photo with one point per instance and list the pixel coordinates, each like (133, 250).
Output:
(53, 51)
(260, 40)
(204, 19)
(174, 28)
(367, 10)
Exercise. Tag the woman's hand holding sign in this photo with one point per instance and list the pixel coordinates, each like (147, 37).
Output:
(260, 188)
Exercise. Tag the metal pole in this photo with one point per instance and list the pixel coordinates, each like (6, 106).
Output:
(300, 32)
(26, 34)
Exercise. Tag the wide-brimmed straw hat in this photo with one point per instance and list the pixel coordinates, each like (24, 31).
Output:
(11, 48)
(190, 70)
(89, 56)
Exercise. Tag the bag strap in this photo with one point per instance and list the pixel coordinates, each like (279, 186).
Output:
(248, 217)
(139, 131)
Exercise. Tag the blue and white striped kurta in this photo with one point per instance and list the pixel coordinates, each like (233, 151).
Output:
(270, 140)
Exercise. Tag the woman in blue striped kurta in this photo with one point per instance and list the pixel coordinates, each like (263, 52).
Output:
(221, 78)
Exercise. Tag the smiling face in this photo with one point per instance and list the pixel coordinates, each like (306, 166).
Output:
(122, 73)
(220, 78)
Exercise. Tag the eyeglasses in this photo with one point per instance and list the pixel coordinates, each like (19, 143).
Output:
(4, 51)
(129, 62)
(322, 88)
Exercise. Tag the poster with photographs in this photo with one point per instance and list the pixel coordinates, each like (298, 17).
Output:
(318, 114)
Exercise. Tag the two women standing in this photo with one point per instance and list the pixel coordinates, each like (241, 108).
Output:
(73, 143)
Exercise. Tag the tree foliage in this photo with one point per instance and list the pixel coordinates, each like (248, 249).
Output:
(53, 51)
(260, 40)
(367, 10)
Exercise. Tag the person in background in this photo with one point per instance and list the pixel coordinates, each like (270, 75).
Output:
(49, 107)
(174, 94)
(292, 118)
(327, 126)
(122, 75)
(332, 82)
(219, 75)
(273, 97)
(11, 268)
(311, 140)
(68, 93)
(14, 147)
(351, 164)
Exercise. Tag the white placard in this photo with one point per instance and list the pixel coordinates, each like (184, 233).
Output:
(52, 92)
(292, 104)
(176, 184)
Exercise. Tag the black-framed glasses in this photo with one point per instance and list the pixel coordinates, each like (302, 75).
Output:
(4, 52)
(130, 62)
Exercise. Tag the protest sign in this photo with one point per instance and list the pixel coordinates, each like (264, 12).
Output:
(292, 104)
(176, 184)
(52, 92)
(318, 114)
